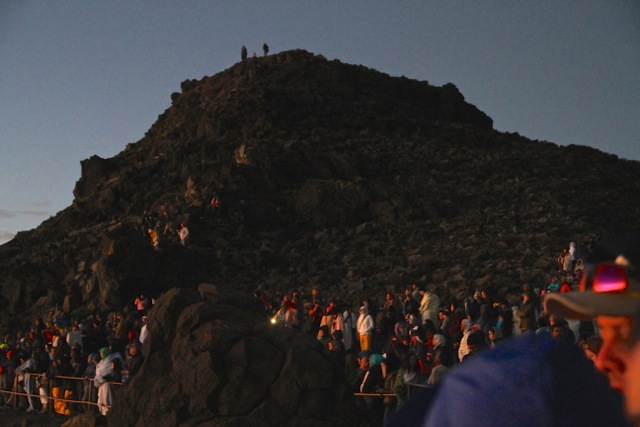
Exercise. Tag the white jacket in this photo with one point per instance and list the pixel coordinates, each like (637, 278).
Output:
(365, 324)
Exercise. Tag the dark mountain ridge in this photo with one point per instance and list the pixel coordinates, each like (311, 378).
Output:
(328, 174)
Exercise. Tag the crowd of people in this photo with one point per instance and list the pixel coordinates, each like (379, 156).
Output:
(388, 350)
(244, 53)
(412, 340)
(536, 379)
(160, 230)
(60, 362)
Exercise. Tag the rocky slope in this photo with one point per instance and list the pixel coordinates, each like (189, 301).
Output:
(328, 175)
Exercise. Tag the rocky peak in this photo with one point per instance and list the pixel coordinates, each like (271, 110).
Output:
(327, 174)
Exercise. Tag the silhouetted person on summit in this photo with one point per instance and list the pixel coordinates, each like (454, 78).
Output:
(265, 49)
(243, 52)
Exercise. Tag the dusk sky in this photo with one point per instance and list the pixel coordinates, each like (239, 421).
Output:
(82, 77)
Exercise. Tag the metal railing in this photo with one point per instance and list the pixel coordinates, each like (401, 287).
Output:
(387, 393)
(15, 392)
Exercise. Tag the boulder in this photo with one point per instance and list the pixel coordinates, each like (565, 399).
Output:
(212, 358)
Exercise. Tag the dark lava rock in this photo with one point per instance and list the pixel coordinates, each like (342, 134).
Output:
(213, 359)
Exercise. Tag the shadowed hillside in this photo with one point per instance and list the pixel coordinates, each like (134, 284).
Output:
(327, 174)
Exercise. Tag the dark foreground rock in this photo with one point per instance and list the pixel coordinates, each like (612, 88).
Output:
(213, 359)
(20, 418)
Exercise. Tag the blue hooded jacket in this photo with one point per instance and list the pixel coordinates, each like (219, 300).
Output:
(532, 380)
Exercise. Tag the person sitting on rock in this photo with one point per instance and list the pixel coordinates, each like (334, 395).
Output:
(153, 237)
(183, 233)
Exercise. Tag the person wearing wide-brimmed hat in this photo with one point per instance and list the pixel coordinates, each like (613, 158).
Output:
(611, 294)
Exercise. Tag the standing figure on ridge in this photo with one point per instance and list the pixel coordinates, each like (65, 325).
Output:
(265, 49)
(243, 52)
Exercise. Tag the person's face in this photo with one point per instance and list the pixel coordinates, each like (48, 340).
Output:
(363, 362)
(632, 382)
(491, 334)
(555, 331)
(615, 353)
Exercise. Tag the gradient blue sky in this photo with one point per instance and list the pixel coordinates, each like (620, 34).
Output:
(85, 77)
